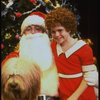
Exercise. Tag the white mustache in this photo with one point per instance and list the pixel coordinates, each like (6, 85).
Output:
(31, 36)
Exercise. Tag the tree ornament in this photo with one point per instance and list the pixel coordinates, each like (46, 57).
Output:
(2, 46)
(17, 36)
(18, 14)
(8, 36)
(46, 1)
(16, 47)
(9, 45)
(88, 41)
(33, 1)
(57, 5)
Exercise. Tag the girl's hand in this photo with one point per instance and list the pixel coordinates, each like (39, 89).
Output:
(72, 98)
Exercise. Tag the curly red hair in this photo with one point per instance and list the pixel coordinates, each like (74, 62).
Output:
(62, 16)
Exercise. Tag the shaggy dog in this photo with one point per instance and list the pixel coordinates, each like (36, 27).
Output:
(20, 80)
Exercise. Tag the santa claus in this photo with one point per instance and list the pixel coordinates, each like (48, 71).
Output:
(35, 46)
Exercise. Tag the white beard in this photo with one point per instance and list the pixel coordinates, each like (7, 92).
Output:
(36, 47)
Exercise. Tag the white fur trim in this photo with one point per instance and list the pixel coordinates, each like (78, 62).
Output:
(91, 67)
(49, 82)
(32, 20)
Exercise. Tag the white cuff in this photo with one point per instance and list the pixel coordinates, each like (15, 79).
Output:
(87, 68)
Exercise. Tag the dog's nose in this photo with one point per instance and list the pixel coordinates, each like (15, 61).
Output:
(13, 85)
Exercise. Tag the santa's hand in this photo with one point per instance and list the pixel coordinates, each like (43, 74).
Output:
(91, 78)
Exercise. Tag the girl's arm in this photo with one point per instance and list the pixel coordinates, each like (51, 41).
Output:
(78, 91)
(83, 85)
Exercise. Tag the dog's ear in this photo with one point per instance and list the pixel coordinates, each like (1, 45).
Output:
(2, 97)
(33, 93)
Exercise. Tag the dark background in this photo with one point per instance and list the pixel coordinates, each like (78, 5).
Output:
(89, 22)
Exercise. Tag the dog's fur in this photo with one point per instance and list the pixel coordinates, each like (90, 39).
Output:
(20, 80)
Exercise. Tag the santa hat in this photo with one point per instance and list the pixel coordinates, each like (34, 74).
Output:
(35, 18)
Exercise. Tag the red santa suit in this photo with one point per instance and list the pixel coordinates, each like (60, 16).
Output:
(11, 55)
(71, 65)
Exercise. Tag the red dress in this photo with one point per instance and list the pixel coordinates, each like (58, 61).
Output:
(70, 63)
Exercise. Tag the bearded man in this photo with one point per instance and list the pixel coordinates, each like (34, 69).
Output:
(34, 46)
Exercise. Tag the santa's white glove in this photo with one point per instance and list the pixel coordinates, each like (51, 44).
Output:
(92, 78)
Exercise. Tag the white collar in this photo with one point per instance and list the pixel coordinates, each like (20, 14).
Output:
(71, 50)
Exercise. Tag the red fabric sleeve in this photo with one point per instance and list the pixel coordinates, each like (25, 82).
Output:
(86, 55)
(11, 55)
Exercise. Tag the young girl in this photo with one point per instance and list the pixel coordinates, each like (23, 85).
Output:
(73, 57)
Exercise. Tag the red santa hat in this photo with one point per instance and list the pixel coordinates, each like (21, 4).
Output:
(35, 18)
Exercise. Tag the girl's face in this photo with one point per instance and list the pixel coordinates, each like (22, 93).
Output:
(60, 34)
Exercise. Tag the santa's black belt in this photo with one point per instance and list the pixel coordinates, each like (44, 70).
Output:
(44, 97)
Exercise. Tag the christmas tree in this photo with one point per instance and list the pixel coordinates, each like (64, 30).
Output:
(13, 13)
